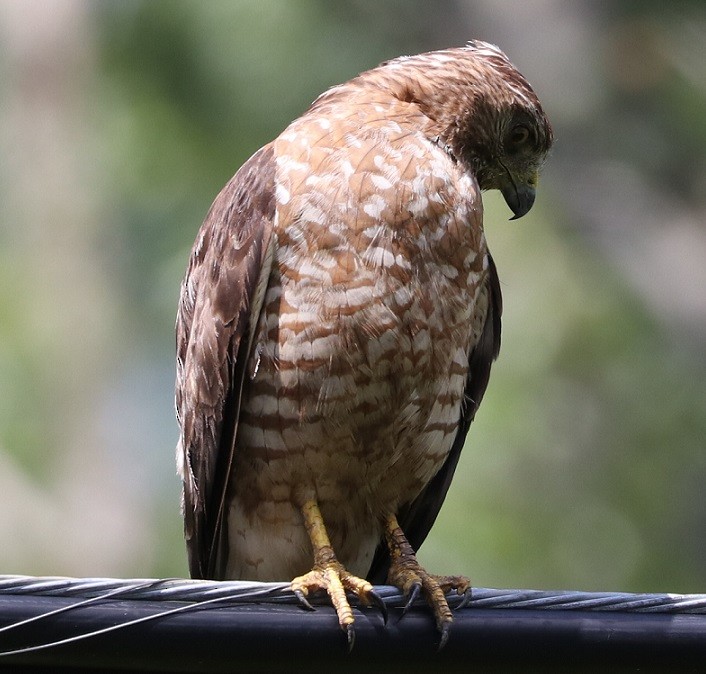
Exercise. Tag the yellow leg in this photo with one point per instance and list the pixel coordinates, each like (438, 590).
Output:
(407, 574)
(330, 575)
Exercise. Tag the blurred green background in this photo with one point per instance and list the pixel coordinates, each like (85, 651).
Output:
(119, 123)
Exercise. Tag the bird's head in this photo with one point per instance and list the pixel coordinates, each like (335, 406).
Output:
(484, 111)
(505, 135)
(501, 131)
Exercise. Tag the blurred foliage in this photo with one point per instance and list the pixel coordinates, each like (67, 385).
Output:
(120, 123)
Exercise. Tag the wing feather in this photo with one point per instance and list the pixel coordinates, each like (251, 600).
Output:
(221, 298)
(417, 518)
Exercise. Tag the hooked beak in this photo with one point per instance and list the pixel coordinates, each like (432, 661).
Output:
(519, 195)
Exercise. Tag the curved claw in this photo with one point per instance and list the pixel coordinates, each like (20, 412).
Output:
(465, 599)
(375, 598)
(303, 600)
(444, 636)
(414, 593)
(350, 635)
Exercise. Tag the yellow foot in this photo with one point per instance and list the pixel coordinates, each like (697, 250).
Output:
(330, 575)
(407, 574)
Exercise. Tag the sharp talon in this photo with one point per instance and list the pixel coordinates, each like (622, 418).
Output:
(350, 635)
(465, 599)
(444, 637)
(416, 589)
(376, 599)
(303, 600)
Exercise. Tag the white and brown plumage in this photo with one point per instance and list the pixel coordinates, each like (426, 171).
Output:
(338, 321)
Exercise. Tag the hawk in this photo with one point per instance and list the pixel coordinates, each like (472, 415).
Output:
(337, 324)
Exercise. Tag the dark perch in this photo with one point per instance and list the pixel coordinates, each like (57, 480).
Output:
(233, 626)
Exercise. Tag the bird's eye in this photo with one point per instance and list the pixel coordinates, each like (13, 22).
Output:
(518, 136)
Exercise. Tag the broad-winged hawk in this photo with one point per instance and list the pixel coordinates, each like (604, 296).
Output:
(337, 324)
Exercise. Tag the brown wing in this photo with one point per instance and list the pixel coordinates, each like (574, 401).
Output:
(417, 518)
(221, 298)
